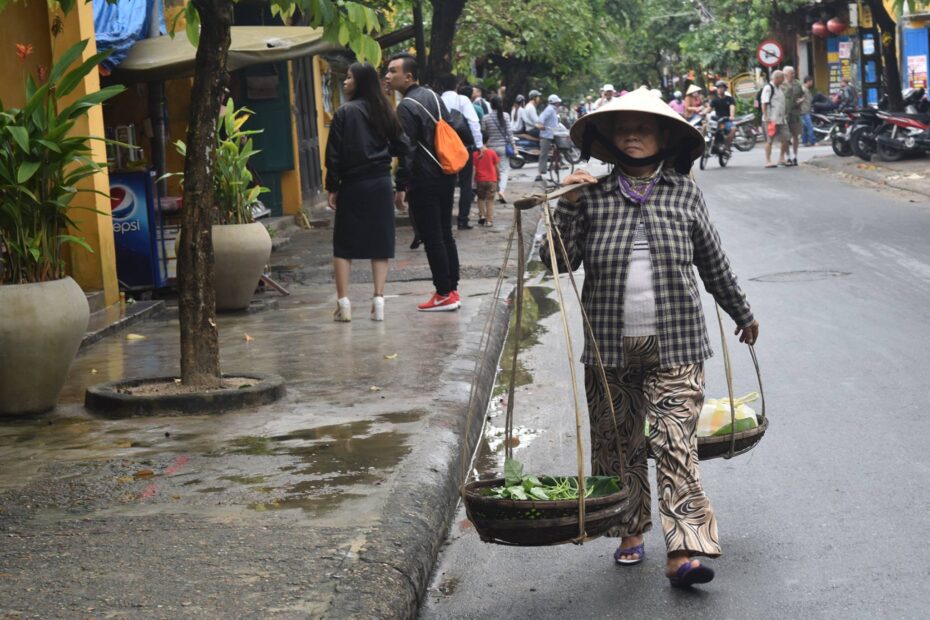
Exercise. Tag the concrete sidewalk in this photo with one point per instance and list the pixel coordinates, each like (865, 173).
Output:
(332, 502)
(910, 175)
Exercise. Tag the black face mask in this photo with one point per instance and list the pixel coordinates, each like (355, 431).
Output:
(681, 155)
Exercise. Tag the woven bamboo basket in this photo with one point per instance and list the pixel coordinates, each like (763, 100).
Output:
(719, 447)
(536, 523)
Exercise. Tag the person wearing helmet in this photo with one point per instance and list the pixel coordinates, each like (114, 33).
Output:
(724, 106)
(531, 113)
(516, 115)
(640, 232)
(676, 103)
(548, 122)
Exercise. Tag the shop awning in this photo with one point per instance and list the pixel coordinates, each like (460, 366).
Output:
(164, 58)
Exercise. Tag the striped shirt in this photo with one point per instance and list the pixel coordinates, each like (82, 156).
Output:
(498, 134)
(598, 231)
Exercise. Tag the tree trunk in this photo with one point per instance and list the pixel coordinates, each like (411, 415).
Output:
(200, 351)
(890, 71)
(445, 14)
(516, 76)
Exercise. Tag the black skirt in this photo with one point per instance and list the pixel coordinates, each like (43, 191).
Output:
(364, 225)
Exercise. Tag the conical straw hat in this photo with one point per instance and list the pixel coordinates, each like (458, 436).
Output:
(639, 100)
(694, 88)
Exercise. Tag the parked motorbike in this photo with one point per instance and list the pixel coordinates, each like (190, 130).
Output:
(865, 130)
(834, 126)
(747, 132)
(714, 143)
(901, 134)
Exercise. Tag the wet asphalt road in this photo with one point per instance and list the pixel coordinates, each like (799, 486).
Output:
(827, 517)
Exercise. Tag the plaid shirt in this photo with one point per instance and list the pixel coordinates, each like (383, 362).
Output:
(598, 231)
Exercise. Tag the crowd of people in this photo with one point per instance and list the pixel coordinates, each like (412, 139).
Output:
(369, 131)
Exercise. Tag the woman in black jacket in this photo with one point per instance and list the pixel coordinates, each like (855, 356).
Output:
(363, 137)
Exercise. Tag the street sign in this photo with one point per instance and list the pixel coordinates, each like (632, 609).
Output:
(770, 53)
(743, 86)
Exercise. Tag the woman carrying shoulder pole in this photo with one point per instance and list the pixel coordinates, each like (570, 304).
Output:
(640, 233)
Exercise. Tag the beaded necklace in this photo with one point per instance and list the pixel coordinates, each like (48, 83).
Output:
(627, 183)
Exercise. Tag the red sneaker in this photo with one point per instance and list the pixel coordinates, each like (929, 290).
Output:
(458, 297)
(440, 303)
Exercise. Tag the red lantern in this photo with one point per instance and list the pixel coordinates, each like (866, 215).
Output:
(819, 29)
(836, 26)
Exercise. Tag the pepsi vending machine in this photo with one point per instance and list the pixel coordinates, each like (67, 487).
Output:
(135, 223)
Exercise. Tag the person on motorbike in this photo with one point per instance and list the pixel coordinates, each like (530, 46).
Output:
(530, 113)
(846, 98)
(516, 115)
(724, 106)
(676, 103)
(694, 103)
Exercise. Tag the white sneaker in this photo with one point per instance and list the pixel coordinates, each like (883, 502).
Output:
(343, 312)
(377, 308)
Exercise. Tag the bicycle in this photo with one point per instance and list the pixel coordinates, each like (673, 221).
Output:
(562, 151)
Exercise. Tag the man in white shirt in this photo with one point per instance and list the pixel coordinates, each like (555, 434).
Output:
(607, 93)
(463, 105)
(774, 120)
(530, 115)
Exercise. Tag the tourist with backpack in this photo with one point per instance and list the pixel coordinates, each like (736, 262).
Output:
(426, 177)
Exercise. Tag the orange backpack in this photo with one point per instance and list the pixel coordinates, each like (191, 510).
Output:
(451, 154)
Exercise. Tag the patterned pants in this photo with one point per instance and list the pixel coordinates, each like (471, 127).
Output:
(670, 400)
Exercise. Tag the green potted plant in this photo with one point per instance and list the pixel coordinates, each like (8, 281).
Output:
(43, 312)
(241, 246)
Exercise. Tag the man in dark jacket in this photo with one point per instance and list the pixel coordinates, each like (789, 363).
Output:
(421, 182)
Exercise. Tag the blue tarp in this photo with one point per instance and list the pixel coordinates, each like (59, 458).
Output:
(118, 26)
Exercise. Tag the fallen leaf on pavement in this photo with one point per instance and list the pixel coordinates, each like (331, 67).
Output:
(143, 473)
(392, 356)
(248, 338)
(867, 166)
(93, 371)
(125, 479)
(135, 337)
(374, 388)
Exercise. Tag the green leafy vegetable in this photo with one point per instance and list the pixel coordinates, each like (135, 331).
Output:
(525, 487)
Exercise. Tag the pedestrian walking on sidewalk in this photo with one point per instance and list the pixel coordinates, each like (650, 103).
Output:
(794, 97)
(774, 120)
(421, 182)
(640, 233)
(363, 138)
(486, 176)
(808, 138)
(496, 126)
(467, 174)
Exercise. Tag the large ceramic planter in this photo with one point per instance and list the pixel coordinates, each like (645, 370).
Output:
(241, 252)
(41, 326)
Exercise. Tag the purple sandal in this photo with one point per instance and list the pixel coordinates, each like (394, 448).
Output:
(639, 551)
(687, 575)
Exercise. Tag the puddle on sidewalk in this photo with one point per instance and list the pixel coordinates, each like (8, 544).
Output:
(312, 470)
(536, 306)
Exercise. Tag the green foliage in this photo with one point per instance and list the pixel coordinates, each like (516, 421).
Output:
(231, 175)
(41, 164)
(345, 22)
(553, 34)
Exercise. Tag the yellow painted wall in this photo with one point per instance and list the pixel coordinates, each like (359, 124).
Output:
(291, 193)
(22, 23)
(97, 270)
